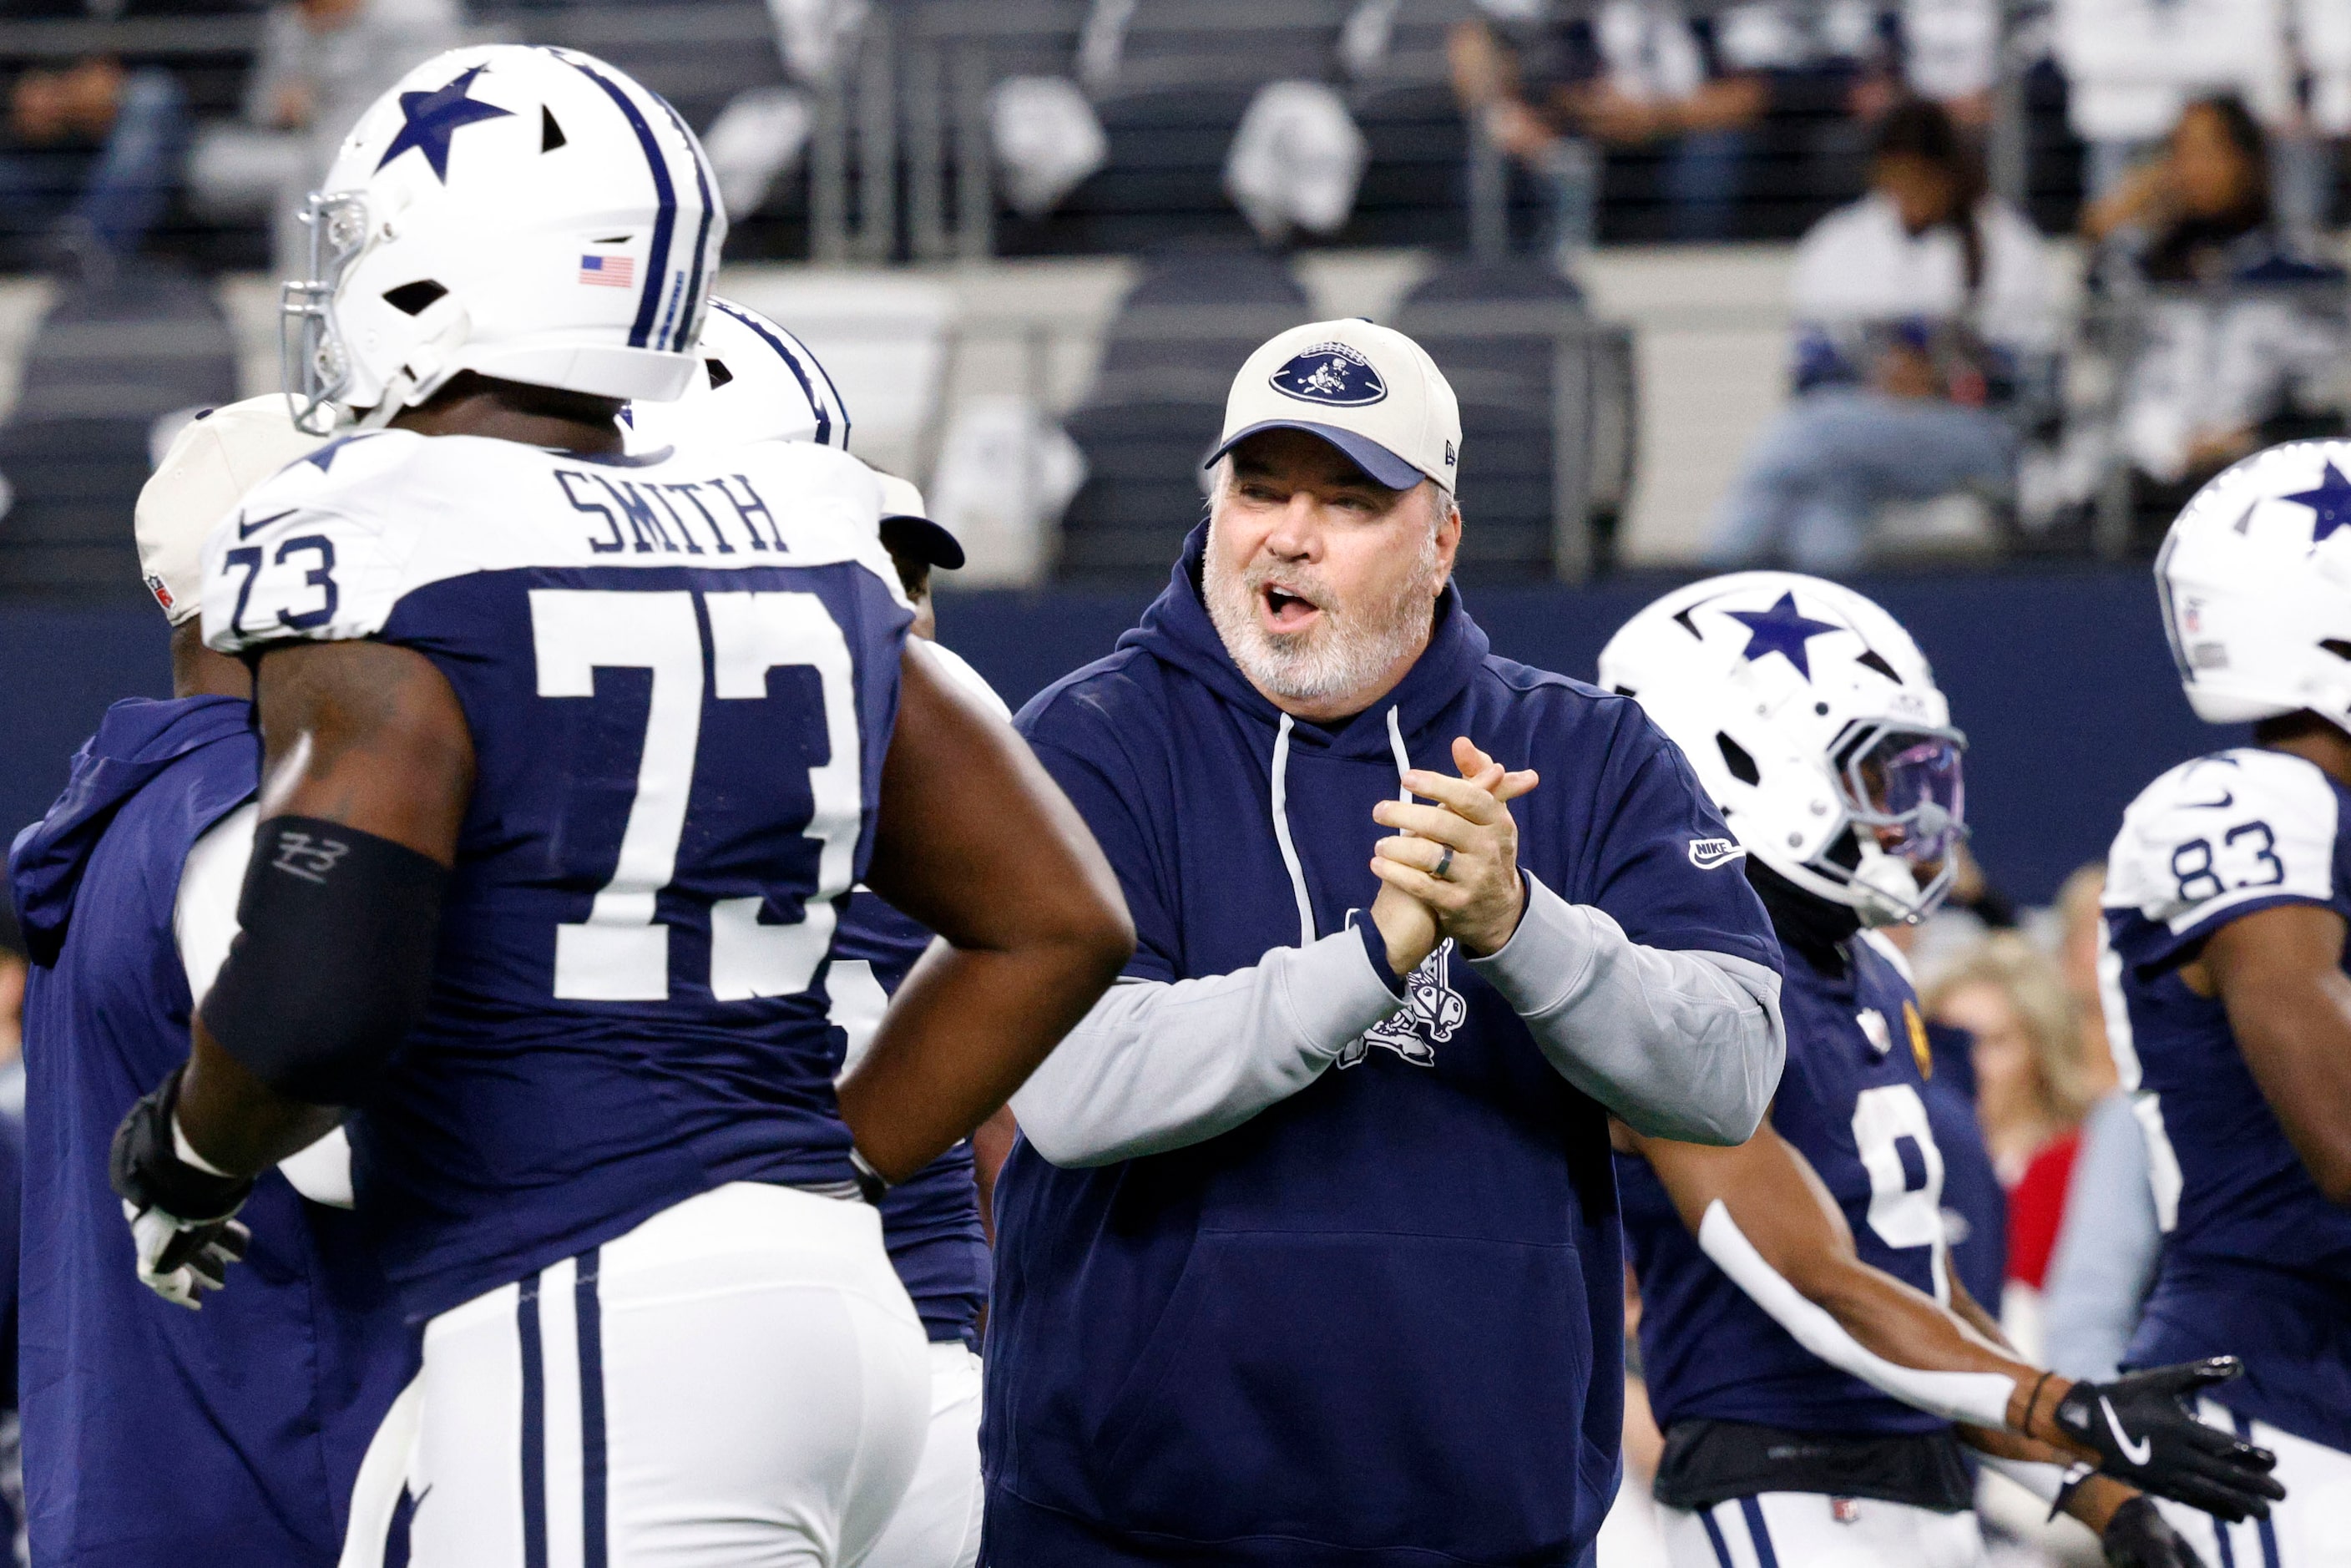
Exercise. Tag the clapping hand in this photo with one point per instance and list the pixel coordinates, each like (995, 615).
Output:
(1452, 868)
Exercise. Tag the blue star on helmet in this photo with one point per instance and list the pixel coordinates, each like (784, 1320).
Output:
(2331, 501)
(432, 118)
(1783, 629)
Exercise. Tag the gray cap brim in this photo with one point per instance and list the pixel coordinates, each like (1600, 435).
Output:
(1373, 459)
(923, 537)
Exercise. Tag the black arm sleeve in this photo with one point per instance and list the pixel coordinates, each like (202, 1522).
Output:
(334, 960)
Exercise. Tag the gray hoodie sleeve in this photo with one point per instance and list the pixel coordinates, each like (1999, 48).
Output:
(1683, 1045)
(1157, 1066)
(1680, 1044)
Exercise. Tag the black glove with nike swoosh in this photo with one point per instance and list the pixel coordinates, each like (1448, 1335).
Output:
(2143, 1430)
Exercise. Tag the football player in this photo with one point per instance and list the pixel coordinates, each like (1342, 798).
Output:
(568, 756)
(156, 1435)
(1807, 1347)
(759, 383)
(2227, 1006)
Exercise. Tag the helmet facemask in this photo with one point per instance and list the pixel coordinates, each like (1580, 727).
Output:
(1905, 799)
(313, 358)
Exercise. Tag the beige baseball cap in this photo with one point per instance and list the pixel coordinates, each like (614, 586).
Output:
(907, 524)
(1367, 390)
(208, 468)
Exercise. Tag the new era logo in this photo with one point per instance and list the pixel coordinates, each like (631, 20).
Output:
(1712, 854)
(608, 271)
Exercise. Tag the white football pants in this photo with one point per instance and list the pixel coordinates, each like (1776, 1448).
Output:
(937, 1522)
(2311, 1529)
(741, 1381)
(1806, 1530)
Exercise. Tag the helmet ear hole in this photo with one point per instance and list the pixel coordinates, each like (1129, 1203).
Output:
(2338, 647)
(719, 374)
(413, 299)
(1735, 758)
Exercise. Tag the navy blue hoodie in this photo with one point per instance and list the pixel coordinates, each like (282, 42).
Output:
(154, 1435)
(1381, 1323)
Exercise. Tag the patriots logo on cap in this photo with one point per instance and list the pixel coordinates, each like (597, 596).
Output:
(1333, 373)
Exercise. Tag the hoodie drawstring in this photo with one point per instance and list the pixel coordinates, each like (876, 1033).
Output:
(1281, 832)
(1281, 814)
(1404, 757)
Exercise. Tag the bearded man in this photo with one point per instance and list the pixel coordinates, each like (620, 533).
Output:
(1307, 1253)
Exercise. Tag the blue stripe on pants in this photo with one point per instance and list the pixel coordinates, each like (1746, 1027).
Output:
(1714, 1537)
(589, 1312)
(1758, 1533)
(533, 1427)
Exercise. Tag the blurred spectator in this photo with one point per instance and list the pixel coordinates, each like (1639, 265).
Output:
(1921, 309)
(2104, 1261)
(2030, 1097)
(1951, 55)
(2231, 335)
(2081, 931)
(321, 63)
(1635, 75)
(2133, 66)
(87, 160)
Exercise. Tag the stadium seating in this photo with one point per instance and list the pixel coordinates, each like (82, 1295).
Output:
(1159, 402)
(108, 361)
(1546, 399)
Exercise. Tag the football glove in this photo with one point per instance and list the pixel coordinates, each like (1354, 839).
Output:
(2138, 1537)
(2143, 1430)
(183, 1224)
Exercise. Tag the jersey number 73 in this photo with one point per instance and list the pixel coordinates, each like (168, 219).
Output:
(620, 952)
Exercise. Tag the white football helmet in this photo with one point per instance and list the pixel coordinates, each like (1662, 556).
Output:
(1813, 719)
(528, 213)
(751, 380)
(2255, 581)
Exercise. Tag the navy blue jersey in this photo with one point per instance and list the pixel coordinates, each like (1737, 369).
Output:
(156, 1436)
(680, 677)
(1852, 1103)
(2256, 1262)
(1381, 1321)
(930, 1221)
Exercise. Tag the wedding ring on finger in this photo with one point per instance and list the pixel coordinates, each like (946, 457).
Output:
(1444, 864)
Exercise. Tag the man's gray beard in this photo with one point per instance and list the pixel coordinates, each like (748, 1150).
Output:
(1350, 650)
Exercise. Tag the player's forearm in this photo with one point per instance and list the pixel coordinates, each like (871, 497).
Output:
(1873, 1326)
(2053, 1474)
(1679, 1045)
(966, 1030)
(236, 1124)
(1156, 1067)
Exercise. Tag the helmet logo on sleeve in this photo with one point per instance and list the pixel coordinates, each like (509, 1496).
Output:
(431, 119)
(1335, 373)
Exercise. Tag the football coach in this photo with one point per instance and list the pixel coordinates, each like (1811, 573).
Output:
(1307, 1252)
